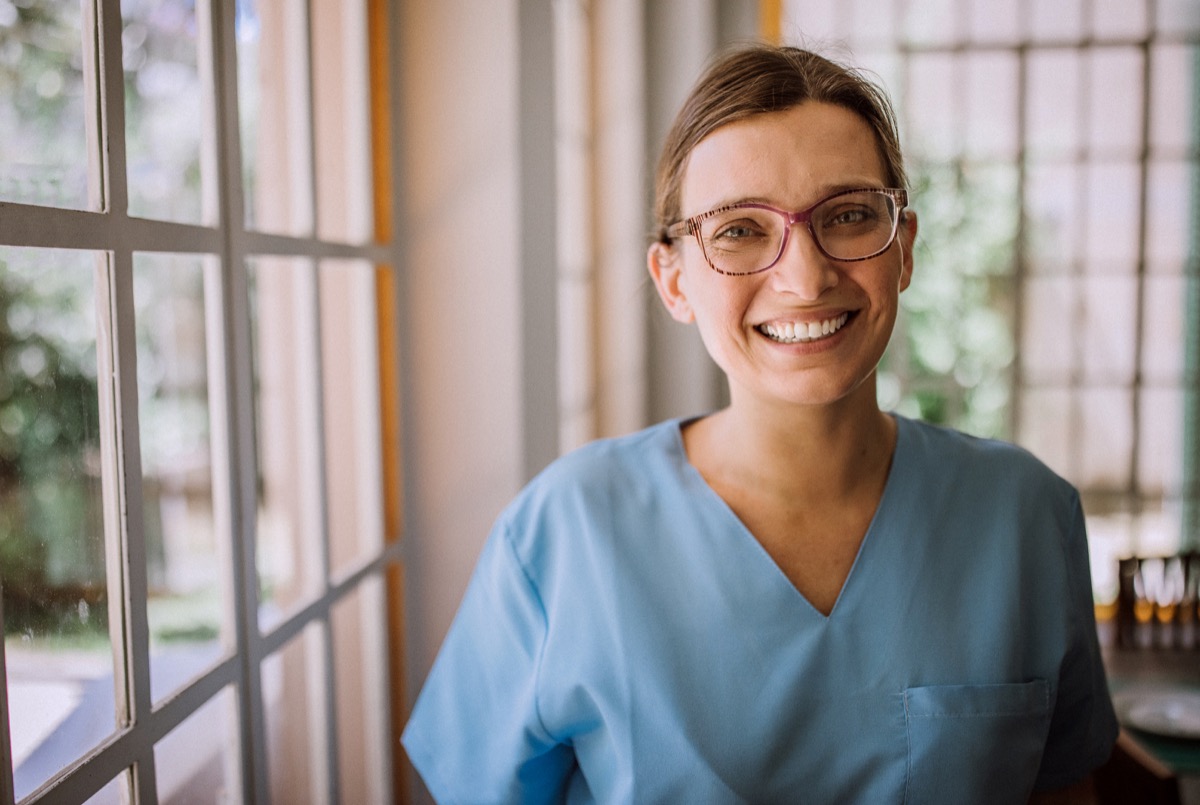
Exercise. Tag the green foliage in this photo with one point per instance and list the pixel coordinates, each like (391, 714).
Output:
(51, 564)
(950, 360)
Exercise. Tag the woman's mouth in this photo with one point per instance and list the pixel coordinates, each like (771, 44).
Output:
(799, 332)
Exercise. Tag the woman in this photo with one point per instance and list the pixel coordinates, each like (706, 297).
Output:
(798, 598)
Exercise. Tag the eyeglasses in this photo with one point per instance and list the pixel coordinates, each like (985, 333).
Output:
(748, 238)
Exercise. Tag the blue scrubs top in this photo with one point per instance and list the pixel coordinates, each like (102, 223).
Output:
(624, 638)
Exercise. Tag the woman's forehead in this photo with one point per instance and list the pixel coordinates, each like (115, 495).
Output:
(788, 157)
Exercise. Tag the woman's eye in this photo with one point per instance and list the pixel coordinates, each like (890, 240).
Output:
(737, 231)
(850, 216)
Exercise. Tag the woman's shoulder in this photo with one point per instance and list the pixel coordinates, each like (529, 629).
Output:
(965, 459)
(606, 474)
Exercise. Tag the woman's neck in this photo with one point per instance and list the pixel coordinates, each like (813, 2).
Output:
(820, 452)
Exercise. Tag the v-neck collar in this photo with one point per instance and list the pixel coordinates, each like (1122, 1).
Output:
(746, 538)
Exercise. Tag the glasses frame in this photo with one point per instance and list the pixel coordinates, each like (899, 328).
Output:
(691, 226)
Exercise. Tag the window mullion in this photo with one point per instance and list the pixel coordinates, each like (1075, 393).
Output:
(232, 387)
(125, 534)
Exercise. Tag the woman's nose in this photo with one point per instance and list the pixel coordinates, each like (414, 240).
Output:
(803, 269)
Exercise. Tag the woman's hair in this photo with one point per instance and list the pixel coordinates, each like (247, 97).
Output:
(758, 79)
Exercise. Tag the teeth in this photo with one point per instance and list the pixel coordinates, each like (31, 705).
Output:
(798, 332)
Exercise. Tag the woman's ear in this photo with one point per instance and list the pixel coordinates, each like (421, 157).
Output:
(908, 237)
(666, 269)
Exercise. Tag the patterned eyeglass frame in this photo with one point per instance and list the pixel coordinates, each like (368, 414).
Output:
(691, 226)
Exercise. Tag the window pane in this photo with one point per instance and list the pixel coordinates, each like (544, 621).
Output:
(1053, 116)
(165, 114)
(1171, 208)
(187, 560)
(291, 515)
(52, 552)
(992, 104)
(932, 22)
(1114, 198)
(1119, 19)
(342, 121)
(1058, 21)
(1114, 121)
(117, 792)
(273, 115)
(198, 761)
(994, 22)
(43, 134)
(360, 671)
(1108, 336)
(1160, 450)
(933, 118)
(1106, 417)
(293, 684)
(350, 376)
(1173, 98)
(1045, 417)
(1052, 218)
(1164, 326)
(1178, 16)
(1047, 334)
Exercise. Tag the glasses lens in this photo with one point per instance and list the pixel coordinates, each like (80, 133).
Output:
(742, 240)
(855, 225)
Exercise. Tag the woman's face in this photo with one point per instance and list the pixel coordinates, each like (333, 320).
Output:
(791, 160)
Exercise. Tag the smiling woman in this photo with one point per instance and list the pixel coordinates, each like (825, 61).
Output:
(798, 596)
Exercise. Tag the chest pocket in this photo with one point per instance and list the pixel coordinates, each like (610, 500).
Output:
(975, 743)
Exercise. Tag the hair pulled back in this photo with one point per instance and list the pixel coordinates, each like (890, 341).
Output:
(758, 79)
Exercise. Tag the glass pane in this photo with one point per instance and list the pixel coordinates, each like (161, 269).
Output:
(1114, 124)
(1047, 335)
(52, 553)
(1045, 427)
(1171, 208)
(165, 113)
(1108, 337)
(117, 792)
(1163, 321)
(1053, 115)
(291, 517)
(933, 118)
(43, 133)
(1058, 21)
(1106, 417)
(293, 684)
(198, 761)
(813, 19)
(1160, 448)
(874, 24)
(1052, 218)
(1114, 197)
(993, 22)
(187, 561)
(350, 377)
(360, 671)
(1119, 19)
(1178, 17)
(1173, 98)
(932, 22)
(272, 59)
(341, 111)
(992, 105)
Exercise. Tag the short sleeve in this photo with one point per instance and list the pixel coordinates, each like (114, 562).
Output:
(1083, 727)
(475, 734)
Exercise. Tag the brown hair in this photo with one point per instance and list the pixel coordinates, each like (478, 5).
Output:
(755, 80)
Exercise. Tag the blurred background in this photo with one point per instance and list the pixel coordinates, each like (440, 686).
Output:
(295, 296)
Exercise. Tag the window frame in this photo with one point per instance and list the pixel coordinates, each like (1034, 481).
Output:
(117, 236)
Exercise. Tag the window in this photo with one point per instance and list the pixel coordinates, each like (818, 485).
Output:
(1056, 164)
(198, 453)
